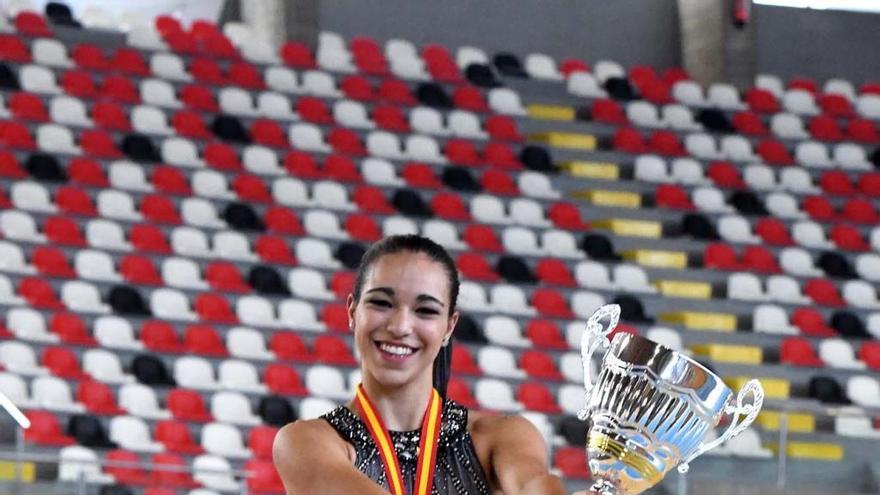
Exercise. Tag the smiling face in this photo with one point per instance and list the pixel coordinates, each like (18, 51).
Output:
(401, 318)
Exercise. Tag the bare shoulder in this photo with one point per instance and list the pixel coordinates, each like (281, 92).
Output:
(296, 441)
(484, 423)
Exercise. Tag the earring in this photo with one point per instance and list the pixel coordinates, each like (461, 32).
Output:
(446, 342)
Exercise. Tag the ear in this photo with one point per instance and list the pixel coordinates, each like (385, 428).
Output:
(453, 320)
(351, 305)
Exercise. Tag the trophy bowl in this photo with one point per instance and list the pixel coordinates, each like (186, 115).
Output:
(652, 408)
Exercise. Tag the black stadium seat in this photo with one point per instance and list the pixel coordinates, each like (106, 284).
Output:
(87, 431)
(266, 280)
(127, 301)
(515, 270)
(150, 370)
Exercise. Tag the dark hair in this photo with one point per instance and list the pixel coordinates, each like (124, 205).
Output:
(416, 244)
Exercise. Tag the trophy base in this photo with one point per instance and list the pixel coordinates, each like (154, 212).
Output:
(604, 487)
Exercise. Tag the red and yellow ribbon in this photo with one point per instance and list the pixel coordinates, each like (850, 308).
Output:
(430, 435)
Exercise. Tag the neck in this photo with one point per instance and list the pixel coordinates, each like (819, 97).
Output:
(403, 407)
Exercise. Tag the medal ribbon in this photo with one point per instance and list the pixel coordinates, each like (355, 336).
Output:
(430, 434)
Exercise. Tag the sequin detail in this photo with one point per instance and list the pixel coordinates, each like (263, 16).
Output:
(458, 470)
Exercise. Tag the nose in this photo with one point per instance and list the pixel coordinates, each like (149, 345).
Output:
(400, 323)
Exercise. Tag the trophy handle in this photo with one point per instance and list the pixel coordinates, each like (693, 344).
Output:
(750, 410)
(594, 336)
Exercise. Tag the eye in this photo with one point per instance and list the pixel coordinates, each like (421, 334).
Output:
(382, 303)
(428, 311)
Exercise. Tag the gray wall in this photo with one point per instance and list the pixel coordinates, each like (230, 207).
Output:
(789, 42)
(817, 43)
(629, 31)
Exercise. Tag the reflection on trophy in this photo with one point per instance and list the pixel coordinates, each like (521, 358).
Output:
(651, 408)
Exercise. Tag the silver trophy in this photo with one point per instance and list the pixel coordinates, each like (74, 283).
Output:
(652, 408)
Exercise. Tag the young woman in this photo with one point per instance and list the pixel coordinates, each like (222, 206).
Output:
(398, 435)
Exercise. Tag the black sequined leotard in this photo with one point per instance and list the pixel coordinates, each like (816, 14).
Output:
(457, 471)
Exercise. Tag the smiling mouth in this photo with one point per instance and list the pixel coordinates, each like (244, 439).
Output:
(395, 351)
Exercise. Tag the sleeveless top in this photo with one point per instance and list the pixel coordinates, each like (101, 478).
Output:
(457, 470)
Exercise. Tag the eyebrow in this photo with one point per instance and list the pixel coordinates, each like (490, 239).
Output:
(421, 297)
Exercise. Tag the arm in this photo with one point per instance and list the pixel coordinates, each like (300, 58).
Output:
(311, 459)
(518, 458)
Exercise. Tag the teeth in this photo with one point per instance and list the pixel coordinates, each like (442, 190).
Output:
(396, 349)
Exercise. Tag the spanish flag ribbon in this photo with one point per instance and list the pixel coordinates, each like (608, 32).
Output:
(428, 442)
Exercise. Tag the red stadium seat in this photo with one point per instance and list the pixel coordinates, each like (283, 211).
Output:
(774, 152)
(64, 231)
(666, 143)
(567, 216)
(98, 398)
(170, 180)
(812, 323)
(46, 430)
(39, 293)
(539, 365)
(869, 353)
(502, 156)
(160, 336)
(836, 182)
(14, 49)
(390, 118)
(302, 165)
(396, 92)
(725, 175)
(358, 88)
(459, 391)
(657, 92)
(332, 350)
(869, 183)
(551, 304)
(198, 98)
(823, 291)
(139, 269)
(629, 140)
(187, 405)
(52, 262)
(499, 183)
(87, 172)
(313, 109)
(554, 272)
(176, 437)
(171, 470)
(835, 105)
(189, 123)
(10, 167)
(463, 361)
(569, 65)
(27, 106)
(98, 144)
(761, 101)
(110, 116)
(284, 380)
(251, 188)
(362, 227)
(79, 83)
(335, 317)
(545, 333)
(342, 168)
(773, 232)
(370, 199)
(149, 238)
(848, 237)
(798, 351)
(819, 208)
(481, 238)
(71, 329)
(222, 157)
(214, 308)
(204, 340)
(862, 130)
(535, 397)
(283, 221)
(803, 83)
(450, 206)
(672, 196)
(207, 71)
(462, 152)
(33, 24)
(245, 75)
(749, 123)
(296, 54)
(119, 89)
(440, 64)
(273, 249)
(289, 346)
(760, 259)
(572, 462)
(346, 142)
(74, 201)
(825, 128)
(476, 267)
(160, 209)
(860, 211)
(267, 132)
(720, 256)
(129, 61)
(342, 284)
(128, 474)
(62, 362)
(224, 276)
(260, 440)
(503, 128)
(420, 175)
(469, 98)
